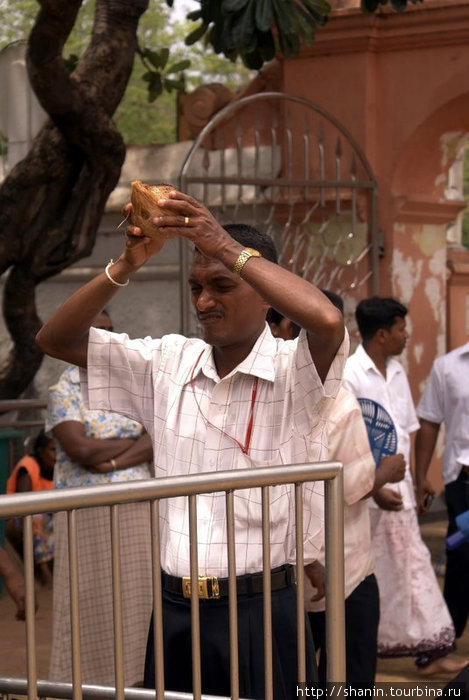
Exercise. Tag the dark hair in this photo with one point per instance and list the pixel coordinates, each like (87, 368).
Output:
(251, 237)
(334, 299)
(274, 316)
(41, 441)
(378, 312)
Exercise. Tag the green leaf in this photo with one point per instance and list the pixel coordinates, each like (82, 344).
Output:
(266, 45)
(320, 7)
(196, 34)
(317, 10)
(215, 39)
(157, 58)
(281, 19)
(232, 5)
(155, 87)
(264, 15)
(170, 85)
(194, 15)
(253, 60)
(244, 32)
(229, 35)
(306, 24)
(179, 66)
(369, 6)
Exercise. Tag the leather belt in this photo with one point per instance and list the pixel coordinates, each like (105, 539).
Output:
(212, 587)
(465, 468)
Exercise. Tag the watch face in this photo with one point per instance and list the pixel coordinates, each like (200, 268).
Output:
(254, 252)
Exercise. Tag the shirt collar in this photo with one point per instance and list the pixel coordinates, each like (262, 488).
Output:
(259, 362)
(392, 366)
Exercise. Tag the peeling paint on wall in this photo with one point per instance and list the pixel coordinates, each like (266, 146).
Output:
(432, 287)
(406, 273)
(437, 264)
(418, 352)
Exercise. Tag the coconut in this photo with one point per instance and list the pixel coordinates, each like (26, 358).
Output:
(145, 200)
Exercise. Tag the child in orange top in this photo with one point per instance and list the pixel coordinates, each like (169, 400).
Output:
(35, 473)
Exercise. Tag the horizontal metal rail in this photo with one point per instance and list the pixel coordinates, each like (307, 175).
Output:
(17, 406)
(153, 490)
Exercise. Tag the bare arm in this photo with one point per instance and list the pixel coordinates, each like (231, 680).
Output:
(139, 452)
(290, 294)
(65, 335)
(23, 483)
(391, 470)
(425, 442)
(387, 499)
(14, 583)
(85, 450)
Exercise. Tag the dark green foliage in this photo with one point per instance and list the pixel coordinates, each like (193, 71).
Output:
(398, 5)
(159, 75)
(254, 30)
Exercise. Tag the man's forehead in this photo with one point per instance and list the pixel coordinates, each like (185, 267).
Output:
(203, 265)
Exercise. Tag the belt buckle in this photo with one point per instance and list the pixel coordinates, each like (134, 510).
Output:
(208, 588)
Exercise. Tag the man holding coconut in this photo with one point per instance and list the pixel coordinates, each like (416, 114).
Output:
(237, 398)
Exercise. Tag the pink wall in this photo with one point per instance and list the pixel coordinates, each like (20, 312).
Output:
(399, 82)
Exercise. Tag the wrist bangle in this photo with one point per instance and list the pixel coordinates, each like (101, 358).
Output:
(113, 281)
(113, 463)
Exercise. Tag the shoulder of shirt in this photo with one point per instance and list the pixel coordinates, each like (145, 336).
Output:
(70, 375)
(345, 403)
(453, 354)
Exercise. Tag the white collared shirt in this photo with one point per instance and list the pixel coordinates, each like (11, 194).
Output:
(348, 443)
(363, 379)
(446, 399)
(194, 425)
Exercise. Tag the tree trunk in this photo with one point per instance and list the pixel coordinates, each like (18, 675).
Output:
(52, 202)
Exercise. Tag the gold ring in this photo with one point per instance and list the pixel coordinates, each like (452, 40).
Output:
(186, 221)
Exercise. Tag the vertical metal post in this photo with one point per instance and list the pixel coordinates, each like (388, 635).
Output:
(74, 605)
(117, 604)
(195, 612)
(232, 597)
(30, 606)
(300, 590)
(335, 611)
(267, 592)
(157, 600)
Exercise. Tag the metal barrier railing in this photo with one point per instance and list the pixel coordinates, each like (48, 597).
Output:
(113, 495)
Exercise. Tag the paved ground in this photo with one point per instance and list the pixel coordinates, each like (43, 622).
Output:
(12, 632)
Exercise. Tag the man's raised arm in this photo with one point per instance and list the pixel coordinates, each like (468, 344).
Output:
(294, 297)
(65, 335)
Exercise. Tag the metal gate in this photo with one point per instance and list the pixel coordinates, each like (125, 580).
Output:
(282, 164)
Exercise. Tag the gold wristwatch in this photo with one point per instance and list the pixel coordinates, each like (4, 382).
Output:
(243, 258)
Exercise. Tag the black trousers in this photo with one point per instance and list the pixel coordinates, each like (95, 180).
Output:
(214, 646)
(361, 634)
(456, 584)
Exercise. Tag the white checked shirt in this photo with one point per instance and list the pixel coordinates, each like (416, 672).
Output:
(363, 379)
(171, 386)
(446, 399)
(348, 443)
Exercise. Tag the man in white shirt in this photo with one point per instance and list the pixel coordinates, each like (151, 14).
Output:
(235, 399)
(446, 400)
(414, 618)
(348, 443)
